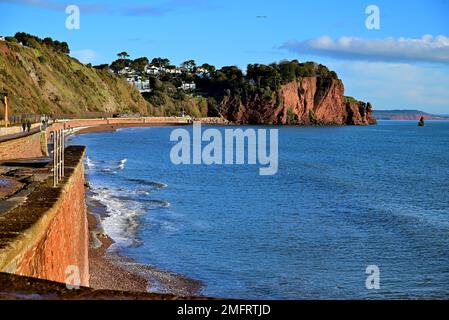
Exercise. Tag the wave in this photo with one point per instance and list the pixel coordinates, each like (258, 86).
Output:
(89, 163)
(106, 166)
(108, 170)
(122, 164)
(124, 208)
(159, 203)
(150, 204)
(122, 220)
(152, 184)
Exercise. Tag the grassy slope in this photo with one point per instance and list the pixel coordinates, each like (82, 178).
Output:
(44, 81)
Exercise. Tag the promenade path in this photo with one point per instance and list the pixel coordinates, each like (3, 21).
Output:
(7, 137)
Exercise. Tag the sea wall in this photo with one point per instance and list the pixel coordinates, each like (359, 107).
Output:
(76, 123)
(29, 146)
(47, 236)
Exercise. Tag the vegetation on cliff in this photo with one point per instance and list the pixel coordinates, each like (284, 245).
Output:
(40, 78)
(213, 85)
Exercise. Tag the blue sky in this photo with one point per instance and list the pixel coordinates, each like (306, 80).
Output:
(404, 65)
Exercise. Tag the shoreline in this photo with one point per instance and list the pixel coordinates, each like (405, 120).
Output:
(110, 270)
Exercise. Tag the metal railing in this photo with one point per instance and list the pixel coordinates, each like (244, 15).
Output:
(58, 156)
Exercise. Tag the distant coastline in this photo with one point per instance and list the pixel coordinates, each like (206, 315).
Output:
(407, 115)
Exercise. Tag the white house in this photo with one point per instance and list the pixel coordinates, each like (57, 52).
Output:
(2, 38)
(152, 70)
(188, 86)
(125, 70)
(173, 70)
(142, 86)
(202, 70)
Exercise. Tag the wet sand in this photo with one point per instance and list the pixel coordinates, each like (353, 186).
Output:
(111, 271)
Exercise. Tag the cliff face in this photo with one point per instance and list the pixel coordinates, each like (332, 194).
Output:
(43, 81)
(308, 101)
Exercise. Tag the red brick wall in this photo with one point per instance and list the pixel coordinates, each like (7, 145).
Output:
(65, 241)
(25, 147)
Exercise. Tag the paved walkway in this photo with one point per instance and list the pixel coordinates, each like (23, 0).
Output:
(18, 135)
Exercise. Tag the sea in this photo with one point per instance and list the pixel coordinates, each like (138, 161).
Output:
(352, 212)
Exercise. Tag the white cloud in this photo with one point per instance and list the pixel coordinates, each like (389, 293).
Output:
(85, 55)
(425, 49)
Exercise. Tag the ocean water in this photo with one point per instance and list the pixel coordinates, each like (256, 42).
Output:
(344, 198)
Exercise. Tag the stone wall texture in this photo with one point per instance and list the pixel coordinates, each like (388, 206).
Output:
(30, 146)
(51, 241)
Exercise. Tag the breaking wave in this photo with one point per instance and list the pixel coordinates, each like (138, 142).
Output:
(111, 167)
(122, 164)
(124, 208)
(151, 184)
(89, 163)
(122, 220)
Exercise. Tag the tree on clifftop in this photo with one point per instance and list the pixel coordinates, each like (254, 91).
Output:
(189, 65)
(160, 62)
(208, 67)
(139, 64)
(123, 55)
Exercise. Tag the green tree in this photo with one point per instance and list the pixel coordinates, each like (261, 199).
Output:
(189, 65)
(11, 39)
(139, 64)
(160, 62)
(208, 67)
(123, 55)
(48, 42)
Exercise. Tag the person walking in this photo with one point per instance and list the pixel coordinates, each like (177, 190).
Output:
(24, 125)
(29, 125)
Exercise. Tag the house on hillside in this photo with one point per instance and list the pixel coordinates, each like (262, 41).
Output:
(152, 70)
(143, 86)
(2, 38)
(173, 70)
(124, 71)
(188, 86)
(139, 84)
(200, 70)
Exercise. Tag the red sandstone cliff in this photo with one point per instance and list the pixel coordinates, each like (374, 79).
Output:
(309, 101)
